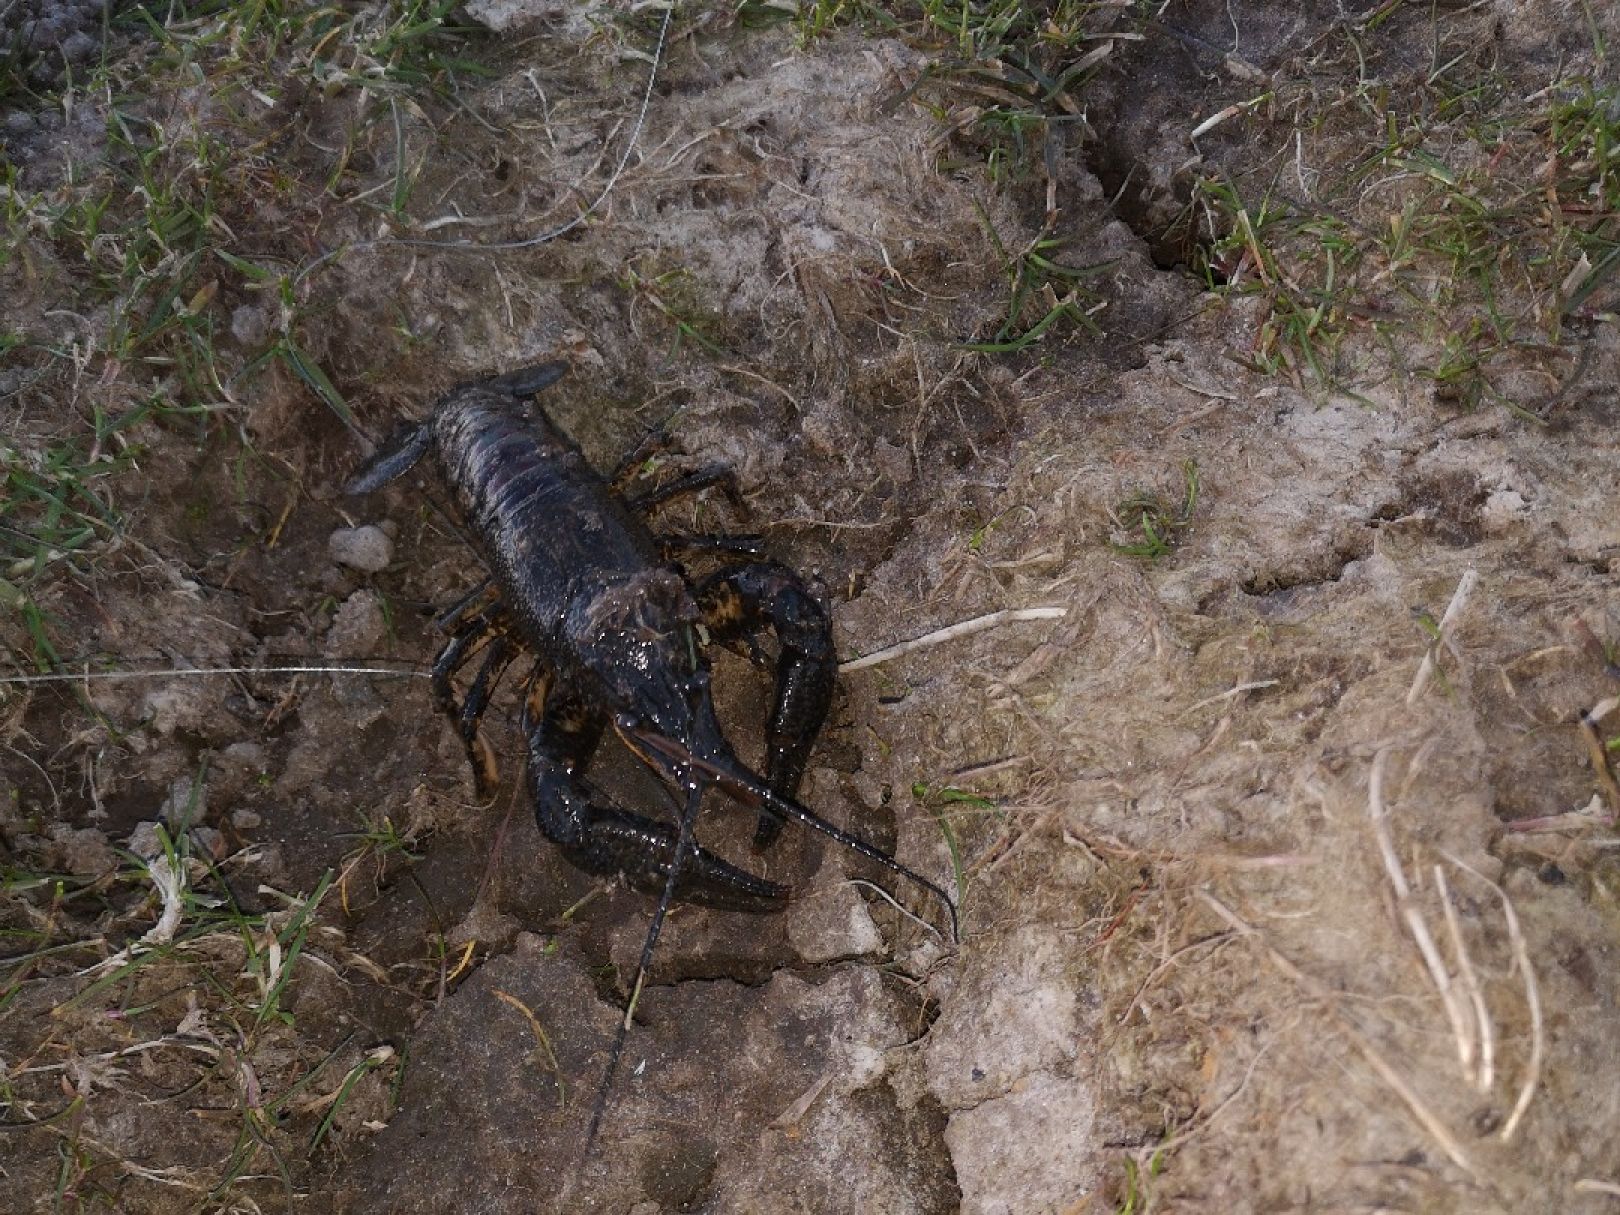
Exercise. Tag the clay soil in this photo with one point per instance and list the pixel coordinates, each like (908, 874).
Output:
(1282, 886)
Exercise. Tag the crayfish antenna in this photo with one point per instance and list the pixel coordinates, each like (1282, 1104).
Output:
(683, 846)
(752, 787)
(789, 808)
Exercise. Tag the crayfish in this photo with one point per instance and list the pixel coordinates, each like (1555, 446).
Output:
(581, 583)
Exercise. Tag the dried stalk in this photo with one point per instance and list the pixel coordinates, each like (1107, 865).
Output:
(1457, 1012)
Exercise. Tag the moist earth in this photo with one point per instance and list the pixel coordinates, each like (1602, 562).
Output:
(1203, 817)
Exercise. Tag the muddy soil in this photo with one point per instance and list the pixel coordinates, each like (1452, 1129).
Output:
(1201, 817)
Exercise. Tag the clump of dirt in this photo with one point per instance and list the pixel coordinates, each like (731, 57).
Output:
(841, 1133)
(1280, 850)
(40, 41)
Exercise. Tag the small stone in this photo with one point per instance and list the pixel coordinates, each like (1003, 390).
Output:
(358, 628)
(78, 48)
(1013, 1013)
(1028, 1150)
(567, 19)
(246, 755)
(19, 122)
(85, 853)
(145, 841)
(265, 861)
(208, 841)
(250, 325)
(187, 803)
(246, 820)
(186, 706)
(1503, 509)
(366, 548)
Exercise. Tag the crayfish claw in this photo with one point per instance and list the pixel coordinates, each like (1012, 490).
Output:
(642, 850)
(738, 603)
(606, 840)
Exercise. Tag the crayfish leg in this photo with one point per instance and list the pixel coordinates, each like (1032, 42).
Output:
(747, 544)
(690, 483)
(485, 633)
(498, 656)
(738, 604)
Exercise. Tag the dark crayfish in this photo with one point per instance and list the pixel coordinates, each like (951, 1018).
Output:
(581, 583)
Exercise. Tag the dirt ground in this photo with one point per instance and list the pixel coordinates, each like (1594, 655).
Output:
(1285, 870)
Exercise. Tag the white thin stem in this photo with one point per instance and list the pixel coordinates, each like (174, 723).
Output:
(964, 628)
(1466, 974)
(1457, 1012)
(192, 672)
(1532, 999)
(1229, 694)
(890, 900)
(1459, 601)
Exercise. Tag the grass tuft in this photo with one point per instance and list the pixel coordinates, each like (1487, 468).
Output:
(1148, 526)
(1466, 243)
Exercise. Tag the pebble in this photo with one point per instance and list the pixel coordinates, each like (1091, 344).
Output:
(187, 803)
(359, 627)
(209, 841)
(85, 852)
(247, 754)
(79, 48)
(145, 841)
(365, 548)
(250, 324)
